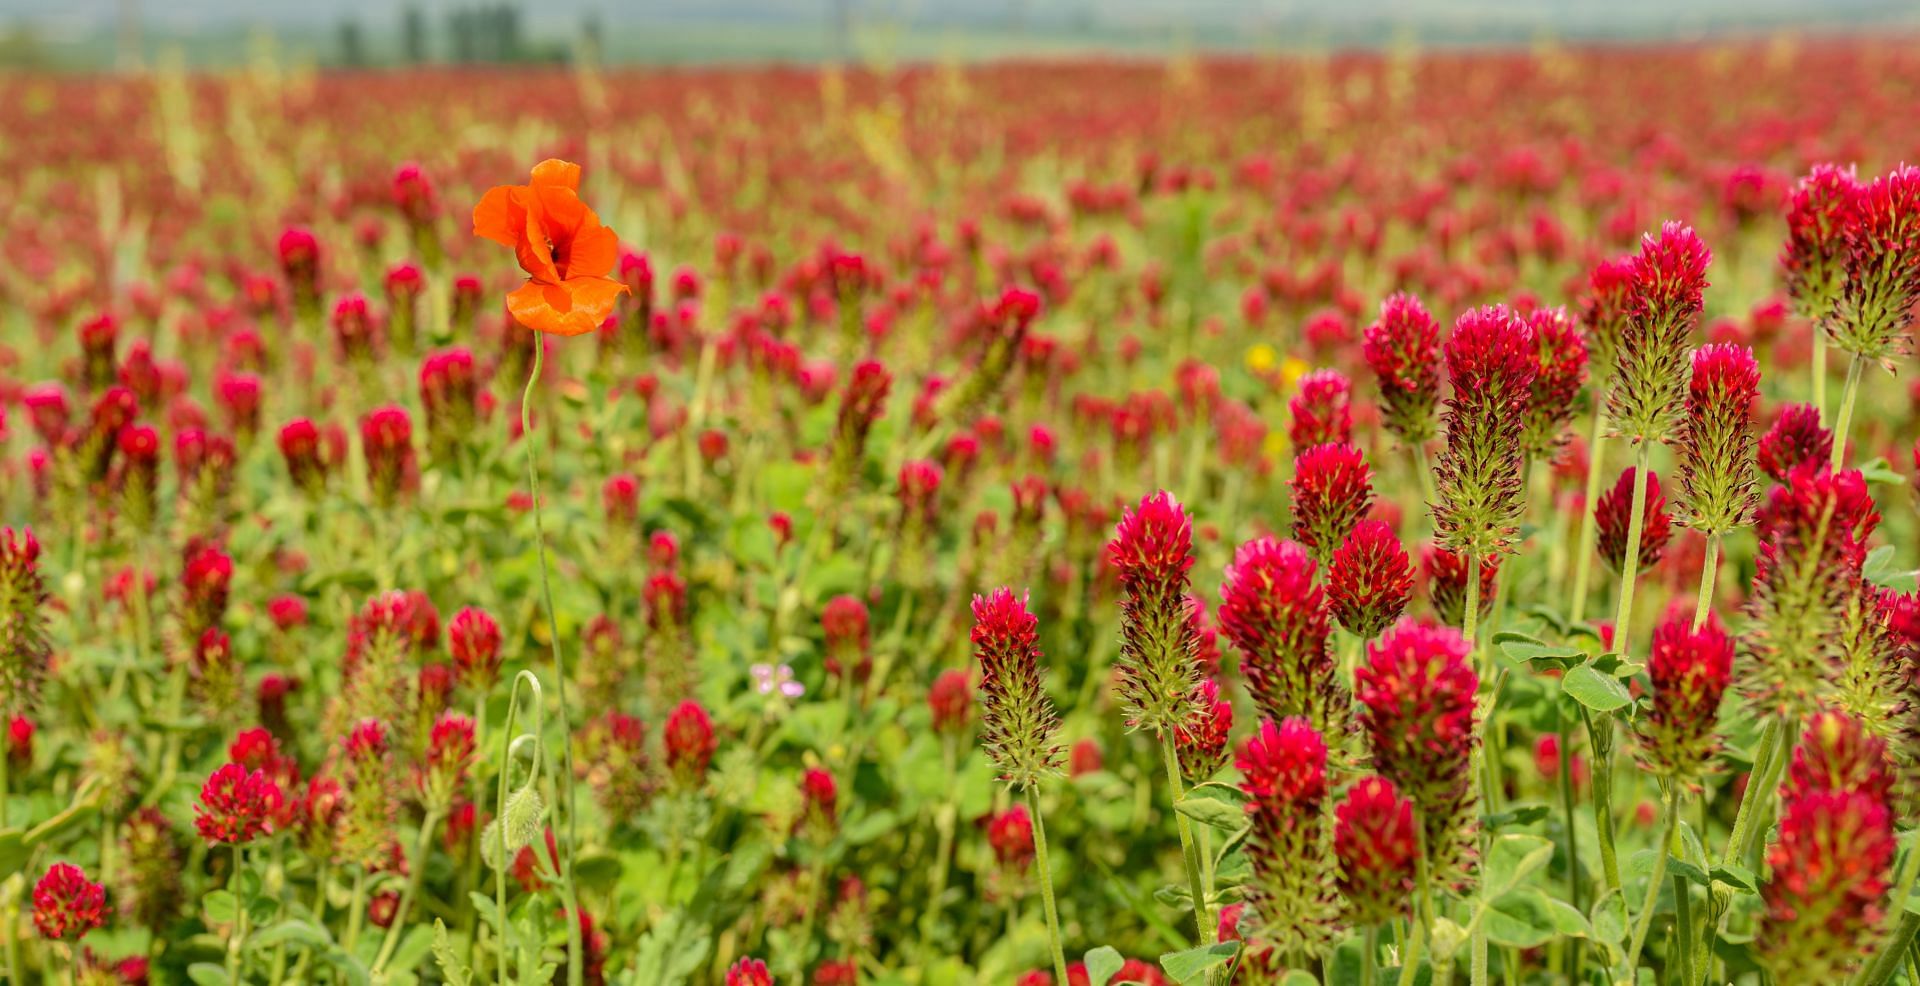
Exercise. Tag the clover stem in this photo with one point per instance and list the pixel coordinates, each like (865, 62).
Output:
(1046, 885)
(1589, 529)
(1630, 561)
(1845, 421)
(1670, 822)
(1192, 857)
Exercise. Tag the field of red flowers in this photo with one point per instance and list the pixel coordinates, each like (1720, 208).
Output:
(1374, 519)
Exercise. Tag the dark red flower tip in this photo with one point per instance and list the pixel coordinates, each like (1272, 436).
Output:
(67, 905)
(1614, 521)
(1284, 764)
(1796, 437)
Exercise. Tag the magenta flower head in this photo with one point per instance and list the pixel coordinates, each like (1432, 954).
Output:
(1369, 580)
(473, 641)
(749, 972)
(1152, 552)
(1604, 310)
(24, 647)
(67, 905)
(1835, 850)
(386, 437)
(1291, 896)
(449, 755)
(1796, 436)
(1874, 314)
(1446, 574)
(950, 702)
(1688, 670)
(1613, 517)
(1332, 490)
(1374, 841)
(843, 622)
(1491, 362)
(1650, 368)
(1717, 446)
(1403, 349)
(1272, 610)
(1813, 533)
(1819, 211)
(237, 806)
(1562, 353)
(689, 743)
(1416, 693)
(1202, 742)
(861, 404)
(1321, 411)
(1017, 718)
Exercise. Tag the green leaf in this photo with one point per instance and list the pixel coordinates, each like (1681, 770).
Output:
(1529, 917)
(597, 869)
(1541, 656)
(1102, 964)
(1213, 813)
(290, 932)
(1880, 473)
(455, 972)
(1515, 816)
(220, 907)
(1880, 569)
(1736, 876)
(351, 969)
(1511, 859)
(869, 828)
(1596, 691)
(1298, 977)
(14, 852)
(1191, 965)
(1610, 918)
(208, 974)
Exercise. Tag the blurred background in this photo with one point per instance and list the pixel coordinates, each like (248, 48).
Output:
(108, 34)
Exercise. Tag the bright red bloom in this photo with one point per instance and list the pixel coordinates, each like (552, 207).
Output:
(1837, 753)
(844, 624)
(1716, 441)
(1369, 579)
(1321, 410)
(1796, 437)
(386, 436)
(1332, 490)
(1202, 742)
(1562, 357)
(1830, 867)
(1614, 520)
(473, 641)
(1152, 553)
(690, 743)
(1403, 349)
(1416, 692)
(950, 700)
(1010, 834)
(1689, 671)
(1874, 315)
(1446, 578)
(1283, 772)
(1650, 367)
(1492, 362)
(1819, 210)
(562, 246)
(749, 972)
(1374, 840)
(237, 806)
(1017, 717)
(1272, 610)
(67, 905)
(821, 795)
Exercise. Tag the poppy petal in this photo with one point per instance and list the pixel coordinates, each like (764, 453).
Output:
(500, 216)
(594, 251)
(554, 171)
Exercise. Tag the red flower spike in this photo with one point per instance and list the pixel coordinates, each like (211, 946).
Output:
(1614, 520)
(1332, 489)
(1369, 580)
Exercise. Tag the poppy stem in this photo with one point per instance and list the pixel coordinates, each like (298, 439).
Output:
(576, 970)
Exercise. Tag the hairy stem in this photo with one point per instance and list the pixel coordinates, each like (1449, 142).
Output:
(1708, 569)
(1844, 422)
(1630, 561)
(1194, 886)
(1046, 885)
(1670, 824)
(1589, 529)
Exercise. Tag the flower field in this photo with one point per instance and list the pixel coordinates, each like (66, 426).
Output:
(1399, 518)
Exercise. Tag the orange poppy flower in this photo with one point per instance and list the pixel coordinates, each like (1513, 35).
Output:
(561, 245)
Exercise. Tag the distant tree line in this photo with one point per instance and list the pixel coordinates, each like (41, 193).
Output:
(482, 33)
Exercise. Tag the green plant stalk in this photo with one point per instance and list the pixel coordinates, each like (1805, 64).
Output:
(356, 909)
(1589, 529)
(505, 928)
(237, 940)
(944, 823)
(1630, 561)
(1469, 628)
(1369, 952)
(1574, 872)
(1818, 366)
(1709, 568)
(1844, 422)
(1669, 826)
(1423, 469)
(1901, 925)
(1202, 921)
(1765, 756)
(1602, 782)
(1046, 885)
(421, 846)
(576, 971)
(1897, 950)
(1423, 886)
(1683, 930)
